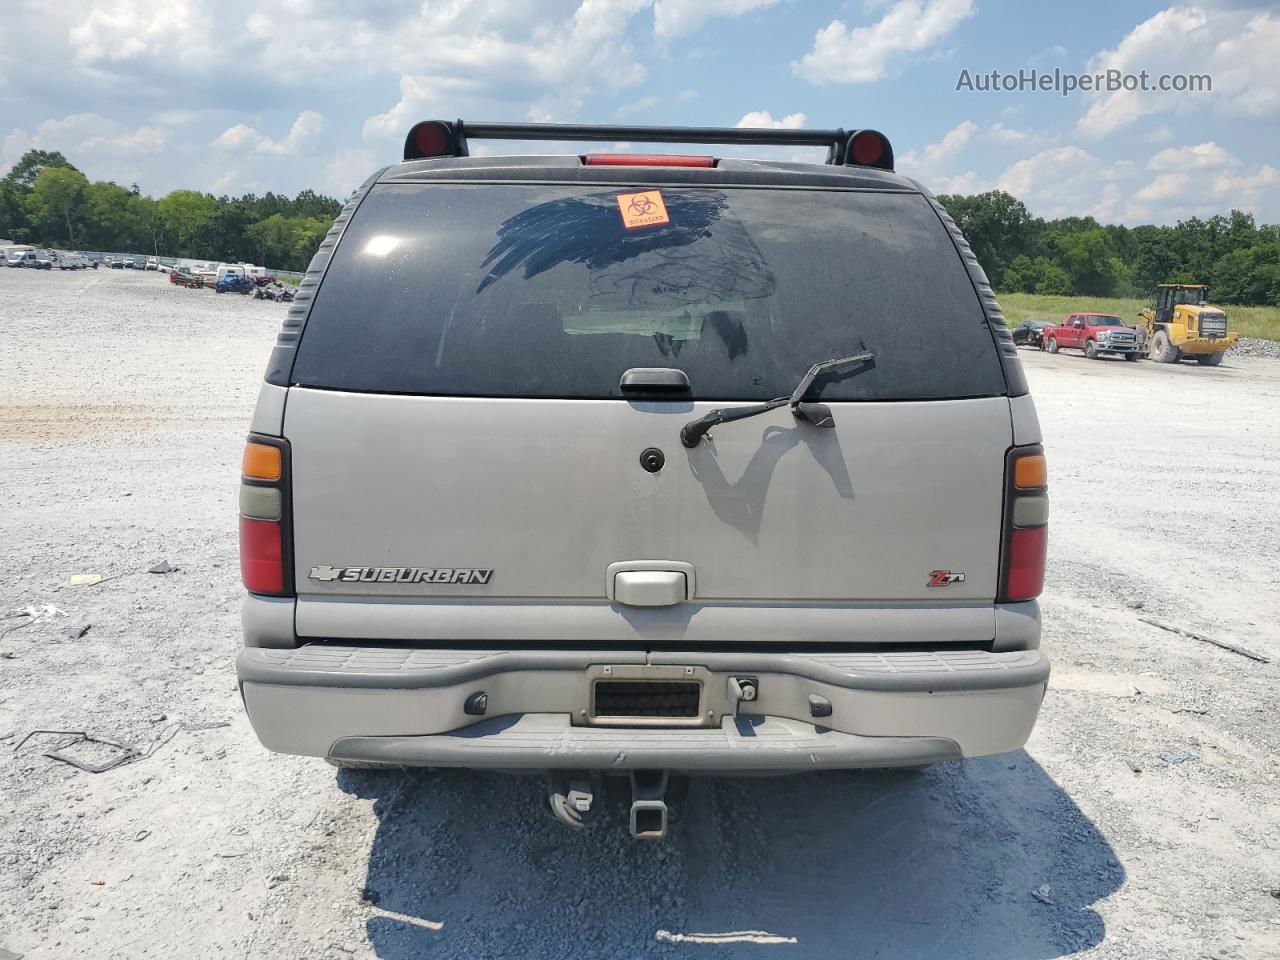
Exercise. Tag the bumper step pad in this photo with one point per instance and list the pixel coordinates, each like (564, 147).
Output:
(742, 745)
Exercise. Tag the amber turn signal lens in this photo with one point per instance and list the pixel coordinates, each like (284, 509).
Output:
(261, 461)
(1030, 472)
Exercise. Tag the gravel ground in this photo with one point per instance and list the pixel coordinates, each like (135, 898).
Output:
(1253, 347)
(123, 406)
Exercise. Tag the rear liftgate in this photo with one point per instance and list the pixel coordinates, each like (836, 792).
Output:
(645, 696)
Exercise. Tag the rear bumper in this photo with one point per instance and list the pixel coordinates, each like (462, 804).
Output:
(533, 742)
(405, 706)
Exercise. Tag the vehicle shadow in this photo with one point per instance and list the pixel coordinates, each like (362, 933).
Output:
(983, 858)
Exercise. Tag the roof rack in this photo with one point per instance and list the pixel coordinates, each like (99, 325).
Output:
(439, 138)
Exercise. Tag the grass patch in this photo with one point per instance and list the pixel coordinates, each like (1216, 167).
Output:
(1261, 322)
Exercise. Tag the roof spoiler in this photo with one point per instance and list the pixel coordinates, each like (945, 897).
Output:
(440, 138)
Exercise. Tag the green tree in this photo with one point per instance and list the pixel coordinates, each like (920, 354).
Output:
(111, 221)
(997, 226)
(186, 213)
(1050, 278)
(27, 169)
(13, 214)
(1089, 262)
(56, 199)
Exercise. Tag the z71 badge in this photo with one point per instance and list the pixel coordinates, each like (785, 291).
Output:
(326, 574)
(944, 578)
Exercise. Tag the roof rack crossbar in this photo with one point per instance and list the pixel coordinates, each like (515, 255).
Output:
(833, 140)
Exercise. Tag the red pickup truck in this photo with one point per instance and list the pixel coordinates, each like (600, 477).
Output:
(1096, 334)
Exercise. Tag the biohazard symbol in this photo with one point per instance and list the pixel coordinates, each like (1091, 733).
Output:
(640, 205)
(642, 209)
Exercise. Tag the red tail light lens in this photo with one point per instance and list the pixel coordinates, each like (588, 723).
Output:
(261, 556)
(1024, 575)
(646, 160)
(866, 148)
(869, 148)
(265, 536)
(431, 138)
(1026, 531)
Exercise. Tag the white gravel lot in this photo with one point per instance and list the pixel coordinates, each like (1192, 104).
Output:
(124, 402)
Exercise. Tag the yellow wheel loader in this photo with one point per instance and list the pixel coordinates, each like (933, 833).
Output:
(1184, 325)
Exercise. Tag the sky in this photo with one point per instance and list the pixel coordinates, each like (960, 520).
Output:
(236, 97)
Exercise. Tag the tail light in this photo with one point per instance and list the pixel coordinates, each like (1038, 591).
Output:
(431, 138)
(1026, 518)
(265, 538)
(869, 148)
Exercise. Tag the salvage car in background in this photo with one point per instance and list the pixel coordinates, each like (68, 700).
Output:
(234, 283)
(1028, 332)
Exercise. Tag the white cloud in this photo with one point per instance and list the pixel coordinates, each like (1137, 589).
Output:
(674, 18)
(143, 140)
(183, 31)
(865, 54)
(549, 64)
(1200, 157)
(1003, 134)
(84, 138)
(1064, 182)
(965, 184)
(1236, 49)
(952, 142)
(1248, 186)
(636, 106)
(175, 118)
(1070, 181)
(348, 169)
(244, 137)
(1164, 187)
(763, 118)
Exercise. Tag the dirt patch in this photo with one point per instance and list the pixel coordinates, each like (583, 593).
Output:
(42, 423)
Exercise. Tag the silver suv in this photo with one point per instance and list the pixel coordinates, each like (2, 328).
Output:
(642, 465)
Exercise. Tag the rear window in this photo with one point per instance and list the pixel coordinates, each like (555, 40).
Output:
(555, 290)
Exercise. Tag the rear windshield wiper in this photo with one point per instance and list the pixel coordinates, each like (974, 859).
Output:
(815, 413)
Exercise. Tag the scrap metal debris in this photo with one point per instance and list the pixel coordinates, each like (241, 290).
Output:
(76, 631)
(124, 752)
(117, 754)
(1170, 756)
(161, 566)
(733, 936)
(31, 615)
(1202, 638)
(205, 725)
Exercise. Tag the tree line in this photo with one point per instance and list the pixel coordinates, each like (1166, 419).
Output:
(1239, 259)
(46, 201)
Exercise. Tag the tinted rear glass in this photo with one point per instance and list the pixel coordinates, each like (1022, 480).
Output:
(545, 291)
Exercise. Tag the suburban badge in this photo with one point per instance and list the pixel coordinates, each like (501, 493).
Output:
(326, 574)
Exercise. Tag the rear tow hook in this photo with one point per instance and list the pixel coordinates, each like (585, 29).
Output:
(648, 804)
(575, 799)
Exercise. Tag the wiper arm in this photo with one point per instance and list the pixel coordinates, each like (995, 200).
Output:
(693, 431)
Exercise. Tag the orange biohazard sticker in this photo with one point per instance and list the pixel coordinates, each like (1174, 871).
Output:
(642, 209)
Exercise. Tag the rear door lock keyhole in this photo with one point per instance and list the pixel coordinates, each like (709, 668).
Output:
(652, 459)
